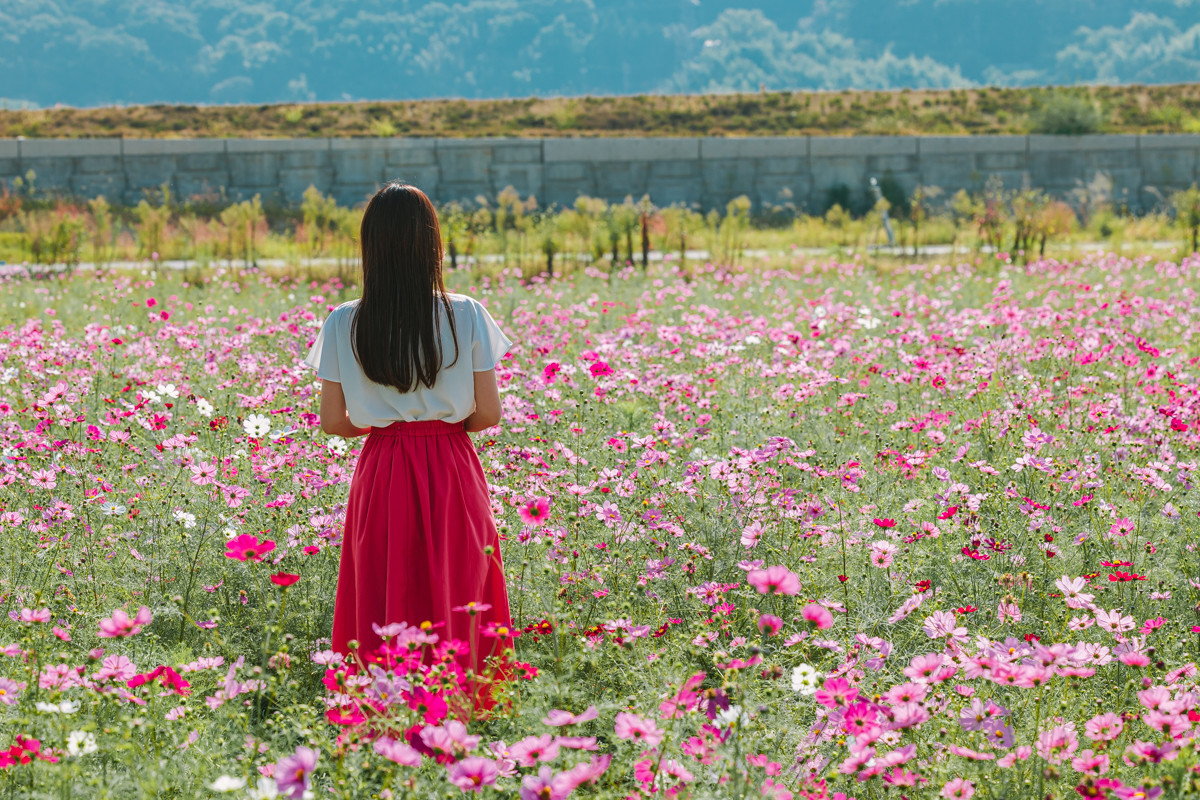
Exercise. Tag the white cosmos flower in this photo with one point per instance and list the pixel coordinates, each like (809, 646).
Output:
(167, 390)
(80, 743)
(337, 444)
(187, 519)
(227, 783)
(804, 679)
(204, 407)
(731, 716)
(256, 425)
(65, 707)
(752, 340)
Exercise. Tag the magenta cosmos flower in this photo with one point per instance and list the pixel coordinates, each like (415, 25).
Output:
(248, 547)
(536, 512)
(774, 580)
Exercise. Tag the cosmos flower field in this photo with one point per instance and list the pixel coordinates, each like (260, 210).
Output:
(794, 530)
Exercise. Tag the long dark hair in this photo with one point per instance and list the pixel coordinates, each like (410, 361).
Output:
(395, 329)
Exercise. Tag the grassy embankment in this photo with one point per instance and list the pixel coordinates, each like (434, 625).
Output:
(1118, 109)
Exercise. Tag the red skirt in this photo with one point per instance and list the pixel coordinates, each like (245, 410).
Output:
(417, 523)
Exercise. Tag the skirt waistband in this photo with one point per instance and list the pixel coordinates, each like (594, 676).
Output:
(424, 427)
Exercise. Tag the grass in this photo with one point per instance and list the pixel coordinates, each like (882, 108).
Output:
(1124, 109)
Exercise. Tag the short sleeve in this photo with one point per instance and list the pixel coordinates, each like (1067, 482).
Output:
(490, 344)
(323, 355)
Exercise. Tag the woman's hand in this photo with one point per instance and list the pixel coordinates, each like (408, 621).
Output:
(487, 403)
(334, 418)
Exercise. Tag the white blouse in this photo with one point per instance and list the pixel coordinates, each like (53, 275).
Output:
(452, 397)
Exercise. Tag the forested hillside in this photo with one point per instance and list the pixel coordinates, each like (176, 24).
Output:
(98, 52)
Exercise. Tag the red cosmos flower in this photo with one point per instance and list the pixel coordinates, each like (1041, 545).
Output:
(525, 671)
(1122, 577)
(284, 579)
(1178, 425)
(922, 586)
(1032, 637)
(965, 610)
(948, 513)
(885, 523)
(842, 578)
(1117, 563)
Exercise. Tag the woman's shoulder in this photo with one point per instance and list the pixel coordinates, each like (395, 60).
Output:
(345, 309)
(461, 303)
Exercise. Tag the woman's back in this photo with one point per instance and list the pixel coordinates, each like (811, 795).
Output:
(480, 345)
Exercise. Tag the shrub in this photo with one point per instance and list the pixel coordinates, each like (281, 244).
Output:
(1067, 115)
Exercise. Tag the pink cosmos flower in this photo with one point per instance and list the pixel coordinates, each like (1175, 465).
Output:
(883, 554)
(293, 773)
(9, 689)
(546, 785)
(631, 726)
(771, 624)
(398, 752)
(818, 615)
(774, 580)
(557, 718)
(120, 625)
(533, 749)
(959, 789)
(248, 547)
(473, 773)
(31, 615)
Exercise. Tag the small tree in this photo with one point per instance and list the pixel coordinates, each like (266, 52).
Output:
(101, 229)
(646, 211)
(920, 209)
(454, 230)
(1187, 213)
(737, 217)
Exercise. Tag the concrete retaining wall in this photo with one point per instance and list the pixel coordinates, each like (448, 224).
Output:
(708, 171)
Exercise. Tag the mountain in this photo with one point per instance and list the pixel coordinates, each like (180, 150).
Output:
(106, 52)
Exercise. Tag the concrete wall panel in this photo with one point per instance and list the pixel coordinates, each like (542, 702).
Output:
(708, 171)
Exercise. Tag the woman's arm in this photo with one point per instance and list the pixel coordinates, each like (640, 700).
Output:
(487, 403)
(334, 419)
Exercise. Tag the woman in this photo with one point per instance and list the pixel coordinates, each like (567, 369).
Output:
(412, 367)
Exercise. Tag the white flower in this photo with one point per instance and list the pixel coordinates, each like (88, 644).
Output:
(337, 445)
(256, 425)
(731, 716)
(80, 743)
(112, 509)
(266, 790)
(150, 397)
(8, 374)
(168, 390)
(188, 519)
(227, 783)
(204, 407)
(752, 340)
(804, 679)
(65, 707)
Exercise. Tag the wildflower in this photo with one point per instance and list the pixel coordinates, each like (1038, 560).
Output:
(774, 580)
(769, 624)
(9, 689)
(474, 773)
(120, 625)
(397, 752)
(631, 726)
(247, 547)
(818, 615)
(284, 579)
(536, 512)
(557, 718)
(885, 523)
(293, 772)
(81, 743)
(882, 554)
(256, 426)
(959, 789)
(804, 679)
(227, 783)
